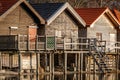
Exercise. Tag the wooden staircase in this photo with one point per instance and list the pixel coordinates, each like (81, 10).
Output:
(97, 51)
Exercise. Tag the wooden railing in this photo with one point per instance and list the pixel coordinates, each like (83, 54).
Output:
(113, 47)
(31, 42)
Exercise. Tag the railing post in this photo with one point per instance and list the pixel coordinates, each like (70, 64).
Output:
(0, 61)
(45, 42)
(36, 43)
(28, 36)
(20, 62)
(18, 45)
(64, 44)
(55, 44)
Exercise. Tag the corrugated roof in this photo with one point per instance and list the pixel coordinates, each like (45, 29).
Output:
(5, 5)
(90, 14)
(46, 10)
(117, 14)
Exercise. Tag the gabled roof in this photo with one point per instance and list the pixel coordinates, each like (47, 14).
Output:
(7, 6)
(49, 11)
(90, 15)
(117, 14)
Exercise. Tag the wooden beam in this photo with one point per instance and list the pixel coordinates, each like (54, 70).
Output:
(30, 62)
(78, 62)
(50, 62)
(20, 62)
(0, 61)
(37, 63)
(65, 63)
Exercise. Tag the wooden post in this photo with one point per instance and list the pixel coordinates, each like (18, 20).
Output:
(65, 62)
(28, 47)
(20, 62)
(64, 46)
(81, 66)
(37, 62)
(46, 62)
(30, 62)
(78, 62)
(36, 44)
(0, 61)
(50, 62)
(45, 42)
(10, 60)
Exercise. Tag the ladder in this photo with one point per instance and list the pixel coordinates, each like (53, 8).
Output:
(97, 51)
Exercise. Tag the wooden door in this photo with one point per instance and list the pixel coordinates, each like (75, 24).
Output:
(32, 33)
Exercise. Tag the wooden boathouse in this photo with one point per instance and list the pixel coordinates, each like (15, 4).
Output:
(57, 37)
(54, 38)
(18, 31)
(103, 26)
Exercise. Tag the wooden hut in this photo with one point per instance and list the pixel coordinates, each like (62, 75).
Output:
(104, 26)
(18, 31)
(62, 26)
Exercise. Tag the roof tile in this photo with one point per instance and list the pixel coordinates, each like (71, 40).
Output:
(90, 14)
(46, 10)
(5, 5)
(117, 14)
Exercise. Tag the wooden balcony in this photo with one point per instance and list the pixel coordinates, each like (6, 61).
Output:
(28, 42)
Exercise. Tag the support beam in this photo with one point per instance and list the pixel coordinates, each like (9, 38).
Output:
(0, 61)
(30, 62)
(81, 62)
(50, 62)
(20, 62)
(37, 62)
(78, 62)
(65, 63)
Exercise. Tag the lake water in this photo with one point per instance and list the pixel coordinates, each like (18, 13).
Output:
(63, 77)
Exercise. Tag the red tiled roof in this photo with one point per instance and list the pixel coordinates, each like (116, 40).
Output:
(117, 14)
(5, 5)
(90, 14)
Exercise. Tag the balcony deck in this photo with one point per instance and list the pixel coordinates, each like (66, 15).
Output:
(41, 43)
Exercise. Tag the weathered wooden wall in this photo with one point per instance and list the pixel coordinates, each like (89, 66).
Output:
(17, 18)
(63, 25)
(104, 26)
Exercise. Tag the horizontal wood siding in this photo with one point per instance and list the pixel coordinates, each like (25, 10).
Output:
(17, 18)
(104, 26)
(64, 24)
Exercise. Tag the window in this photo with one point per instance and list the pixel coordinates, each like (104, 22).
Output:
(58, 33)
(99, 36)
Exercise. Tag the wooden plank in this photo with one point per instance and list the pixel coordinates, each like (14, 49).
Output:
(20, 62)
(0, 61)
(77, 52)
(50, 62)
(65, 62)
(78, 62)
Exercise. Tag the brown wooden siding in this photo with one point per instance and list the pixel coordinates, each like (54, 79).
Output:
(17, 18)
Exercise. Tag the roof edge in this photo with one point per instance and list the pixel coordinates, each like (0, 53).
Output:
(61, 9)
(107, 10)
(17, 4)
